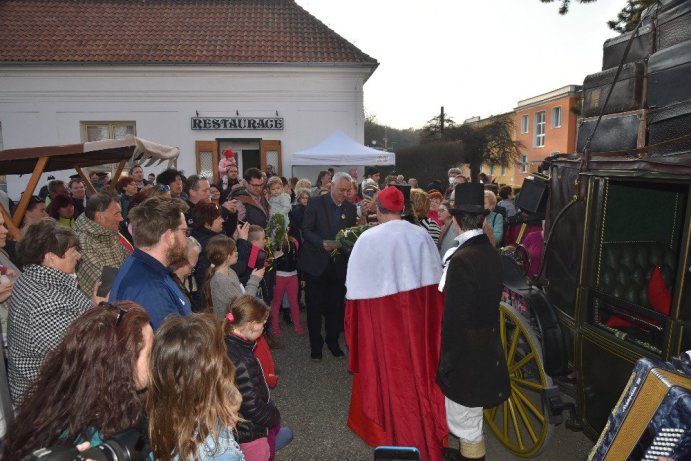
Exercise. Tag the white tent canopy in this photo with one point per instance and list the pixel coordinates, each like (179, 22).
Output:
(338, 150)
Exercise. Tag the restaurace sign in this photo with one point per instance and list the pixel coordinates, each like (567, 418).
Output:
(237, 123)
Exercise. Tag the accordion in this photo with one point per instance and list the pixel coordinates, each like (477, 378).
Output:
(652, 417)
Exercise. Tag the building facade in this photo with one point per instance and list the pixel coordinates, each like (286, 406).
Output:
(545, 124)
(262, 77)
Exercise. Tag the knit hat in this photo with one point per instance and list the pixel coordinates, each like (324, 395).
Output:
(228, 153)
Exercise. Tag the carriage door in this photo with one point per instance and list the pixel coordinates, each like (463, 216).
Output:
(206, 153)
(628, 300)
(271, 155)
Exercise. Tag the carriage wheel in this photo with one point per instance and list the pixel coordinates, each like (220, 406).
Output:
(521, 423)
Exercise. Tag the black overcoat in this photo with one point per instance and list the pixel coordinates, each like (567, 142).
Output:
(317, 227)
(472, 367)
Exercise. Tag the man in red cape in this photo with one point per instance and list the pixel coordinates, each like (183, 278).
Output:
(393, 330)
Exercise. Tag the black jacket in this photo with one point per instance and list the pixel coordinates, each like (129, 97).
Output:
(317, 227)
(472, 367)
(257, 409)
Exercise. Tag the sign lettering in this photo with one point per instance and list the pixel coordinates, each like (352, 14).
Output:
(237, 123)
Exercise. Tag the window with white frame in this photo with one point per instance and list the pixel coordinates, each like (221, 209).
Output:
(98, 131)
(524, 163)
(502, 170)
(539, 128)
(556, 117)
(491, 170)
(524, 124)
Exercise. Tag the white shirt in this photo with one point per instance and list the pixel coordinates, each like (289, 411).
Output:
(461, 239)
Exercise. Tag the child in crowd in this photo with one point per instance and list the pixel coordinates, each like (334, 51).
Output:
(286, 282)
(298, 212)
(279, 201)
(192, 402)
(259, 432)
(221, 285)
(279, 205)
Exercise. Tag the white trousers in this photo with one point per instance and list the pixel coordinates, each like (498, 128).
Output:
(464, 422)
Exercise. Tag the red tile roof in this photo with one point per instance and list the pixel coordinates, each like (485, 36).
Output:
(168, 31)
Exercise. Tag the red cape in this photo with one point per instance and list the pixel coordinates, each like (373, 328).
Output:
(394, 346)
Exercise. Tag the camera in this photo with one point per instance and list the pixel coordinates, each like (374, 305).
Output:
(129, 445)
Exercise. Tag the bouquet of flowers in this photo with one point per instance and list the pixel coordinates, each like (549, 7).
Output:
(276, 230)
(347, 237)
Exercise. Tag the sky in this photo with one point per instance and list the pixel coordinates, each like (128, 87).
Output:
(474, 57)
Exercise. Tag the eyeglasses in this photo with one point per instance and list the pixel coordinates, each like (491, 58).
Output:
(257, 185)
(186, 230)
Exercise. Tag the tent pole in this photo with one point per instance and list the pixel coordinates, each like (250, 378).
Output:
(30, 188)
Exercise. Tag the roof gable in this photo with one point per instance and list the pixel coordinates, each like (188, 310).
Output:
(168, 32)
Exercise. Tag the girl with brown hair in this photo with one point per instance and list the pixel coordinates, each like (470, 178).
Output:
(221, 284)
(192, 403)
(89, 386)
(259, 432)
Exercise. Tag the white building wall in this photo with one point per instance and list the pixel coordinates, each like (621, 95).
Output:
(44, 105)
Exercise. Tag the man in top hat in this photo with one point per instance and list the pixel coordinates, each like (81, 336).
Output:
(472, 370)
(392, 327)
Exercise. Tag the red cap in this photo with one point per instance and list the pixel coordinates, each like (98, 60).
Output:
(391, 198)
(228, 153)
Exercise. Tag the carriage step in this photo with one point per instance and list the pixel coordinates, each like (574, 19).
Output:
(557, 406)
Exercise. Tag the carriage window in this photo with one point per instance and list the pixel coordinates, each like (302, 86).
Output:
(635, 260)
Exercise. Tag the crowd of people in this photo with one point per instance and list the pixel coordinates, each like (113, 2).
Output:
(152, 303)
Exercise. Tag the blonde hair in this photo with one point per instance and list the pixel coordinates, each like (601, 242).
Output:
(492, 199)
(192, 393)
(274, 180)
(303, 184)
(420, 202)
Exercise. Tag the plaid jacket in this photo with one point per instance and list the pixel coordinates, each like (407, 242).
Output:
(44, 303)
(99, 248)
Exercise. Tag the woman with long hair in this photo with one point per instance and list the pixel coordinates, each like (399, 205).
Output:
(192, 403)
(89, 387)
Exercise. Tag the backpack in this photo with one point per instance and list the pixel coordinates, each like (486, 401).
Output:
(500, 210)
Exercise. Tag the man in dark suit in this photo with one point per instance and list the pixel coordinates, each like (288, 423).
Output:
(472, 370)
(325, 274)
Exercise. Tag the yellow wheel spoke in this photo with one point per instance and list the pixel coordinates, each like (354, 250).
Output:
(505, 418)
(492, 413)
(521, 363)
(516, 429)
(530, 384)
(502, 328)
(531, 406)
(514, 343)
(524, 417)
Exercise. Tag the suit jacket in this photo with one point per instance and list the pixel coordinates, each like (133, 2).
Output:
(317, 227)
(472, 367)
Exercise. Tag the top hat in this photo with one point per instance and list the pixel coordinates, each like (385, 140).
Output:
(469, 198)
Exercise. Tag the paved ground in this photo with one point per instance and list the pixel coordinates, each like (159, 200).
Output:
(314, 398)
